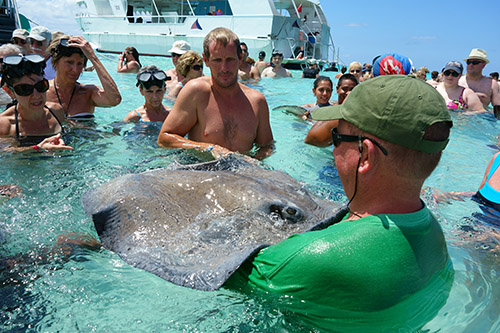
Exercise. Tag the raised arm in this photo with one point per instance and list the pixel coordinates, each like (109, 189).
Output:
(108, 95)
(320, 134)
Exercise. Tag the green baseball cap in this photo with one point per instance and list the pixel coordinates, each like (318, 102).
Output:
(396, 108)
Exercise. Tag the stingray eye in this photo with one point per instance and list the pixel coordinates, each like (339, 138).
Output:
(291, 211)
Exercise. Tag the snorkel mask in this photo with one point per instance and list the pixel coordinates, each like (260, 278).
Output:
(151, 78)
(64, 49)
(15, 66)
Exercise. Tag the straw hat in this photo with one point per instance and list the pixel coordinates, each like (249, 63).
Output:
(478, 54)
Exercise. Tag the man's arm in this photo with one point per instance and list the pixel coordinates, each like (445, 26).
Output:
(264, 138)
(320, 134)
(473, 102)
(495, 94)
(255, 73)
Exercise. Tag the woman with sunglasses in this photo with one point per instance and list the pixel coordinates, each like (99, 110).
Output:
(128, 62)
(31, 121)
(320, 133)
(69, 57)
(151, 83)
(457, 98)
(190, 66)
(356, 69)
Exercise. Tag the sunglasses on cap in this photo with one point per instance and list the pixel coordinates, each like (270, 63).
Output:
(25, 89)
(65, 49)
(14, 60)
(197, 67)
(453, 73)
(474, 62)
(277, 55)
(15, 66)
(148, 79)
(338, 138)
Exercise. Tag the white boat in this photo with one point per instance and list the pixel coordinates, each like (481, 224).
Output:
(152, 26)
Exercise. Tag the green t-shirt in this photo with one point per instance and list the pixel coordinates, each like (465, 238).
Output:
(362, 266)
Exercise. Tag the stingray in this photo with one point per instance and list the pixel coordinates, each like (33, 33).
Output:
(293, 109)
(194, 225)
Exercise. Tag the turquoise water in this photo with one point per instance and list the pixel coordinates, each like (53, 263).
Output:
(96, 291)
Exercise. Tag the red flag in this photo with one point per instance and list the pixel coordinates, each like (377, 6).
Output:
(299, 9)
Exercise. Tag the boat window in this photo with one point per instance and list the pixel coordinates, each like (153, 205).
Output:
(213, 8)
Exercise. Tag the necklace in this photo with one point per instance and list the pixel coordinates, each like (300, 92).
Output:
(59, 99)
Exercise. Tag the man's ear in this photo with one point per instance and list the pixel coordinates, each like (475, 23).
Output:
(368, 155)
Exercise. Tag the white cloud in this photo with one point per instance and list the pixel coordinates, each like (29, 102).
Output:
(55, 15)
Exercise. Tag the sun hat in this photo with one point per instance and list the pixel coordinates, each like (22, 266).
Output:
(478, 54)
(40, 34)
(395, 108)
(20, 33)
(454, 65)
(180, 47)
(391, 63)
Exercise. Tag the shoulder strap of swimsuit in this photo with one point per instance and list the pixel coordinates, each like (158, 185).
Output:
(53, 115)
(17, 122)
(494, 167)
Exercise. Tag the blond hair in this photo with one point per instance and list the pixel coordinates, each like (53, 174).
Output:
(186, 61)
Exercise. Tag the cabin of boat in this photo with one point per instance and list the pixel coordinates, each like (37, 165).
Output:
(153, 25)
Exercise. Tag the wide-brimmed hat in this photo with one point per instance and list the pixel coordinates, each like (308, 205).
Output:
(40, 34)
(20, 33)
(478, 54)
(180, 47)
(395, 108)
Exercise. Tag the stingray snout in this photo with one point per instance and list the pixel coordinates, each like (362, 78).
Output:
(288, 212)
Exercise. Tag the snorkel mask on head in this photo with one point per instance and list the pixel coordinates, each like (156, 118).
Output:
(65, 49)
(151, 78)
(15, 66)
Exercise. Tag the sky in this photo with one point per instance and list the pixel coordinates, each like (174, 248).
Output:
(430, 32)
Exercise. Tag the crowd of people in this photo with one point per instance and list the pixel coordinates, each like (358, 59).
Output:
(388, 133)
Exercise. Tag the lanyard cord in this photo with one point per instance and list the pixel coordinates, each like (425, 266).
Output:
(59, 99)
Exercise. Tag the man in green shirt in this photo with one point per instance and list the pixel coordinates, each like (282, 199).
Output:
(385, 266)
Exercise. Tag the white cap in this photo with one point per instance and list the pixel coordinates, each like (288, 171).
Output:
(180, 47)
(40, 34)
(20, 33)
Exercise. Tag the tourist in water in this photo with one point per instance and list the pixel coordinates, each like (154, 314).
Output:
(434, 80)
(40, 38)
(128, 62)
(494, 76)
(485, 88)
(312, 71)
(69, 57)
(356, 69)
(152, 85)
(31, 121)
(218, 114)
(343, 69)
(457, 98)
(342, 273)
(276, 69)
(190, 66)
(261, 64)
(179, 47)
(322, 90)
(20, 37)
(6, 95)
(247, 71)
(320, 133)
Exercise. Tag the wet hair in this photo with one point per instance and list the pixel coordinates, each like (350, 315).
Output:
(262, 55)
(322, 78)
(223, 36)
(133, 51)
(434, 74)
(347, 76)
(186, 61)
(494, 75)
(343, 69)
(54, 48)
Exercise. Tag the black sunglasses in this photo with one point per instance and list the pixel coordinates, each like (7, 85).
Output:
(474, 62)
(338, 138)
(25, 89)
(176, 54)
(19, 40)
(447, 73)
(197, 67)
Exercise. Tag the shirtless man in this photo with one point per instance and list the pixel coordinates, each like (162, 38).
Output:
(218, 114)
(276, 70)
(246, 71)
(261, 64)
(178, 48)
(485, 88)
